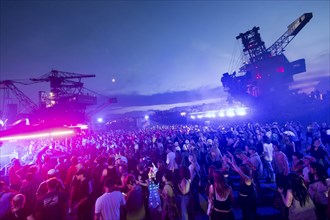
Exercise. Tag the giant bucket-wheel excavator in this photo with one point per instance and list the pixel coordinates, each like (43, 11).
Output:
(266, 73)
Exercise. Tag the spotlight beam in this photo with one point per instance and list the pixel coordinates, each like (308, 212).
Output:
(36, 135)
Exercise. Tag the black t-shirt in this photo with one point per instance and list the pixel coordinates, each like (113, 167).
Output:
(51, 206)
(82, 189)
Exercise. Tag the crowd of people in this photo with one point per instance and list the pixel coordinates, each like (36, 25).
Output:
(164, 172)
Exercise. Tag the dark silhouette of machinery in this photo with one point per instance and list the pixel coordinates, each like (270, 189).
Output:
(266, 71)
(67, 100)
(11, 109)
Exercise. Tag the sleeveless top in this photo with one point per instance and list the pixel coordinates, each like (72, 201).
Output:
(247, 190)
(179, 191)
(222, 205)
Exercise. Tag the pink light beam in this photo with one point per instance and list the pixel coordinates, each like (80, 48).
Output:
(37, 135)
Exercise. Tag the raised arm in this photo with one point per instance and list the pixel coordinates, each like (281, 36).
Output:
(246, 178)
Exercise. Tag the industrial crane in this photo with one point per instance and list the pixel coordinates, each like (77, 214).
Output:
(66, 95)
(26, 104)
(66, 88)
(266, 70)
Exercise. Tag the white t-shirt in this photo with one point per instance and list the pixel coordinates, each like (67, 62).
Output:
(109, 205)
(268, 149)
(170, 161)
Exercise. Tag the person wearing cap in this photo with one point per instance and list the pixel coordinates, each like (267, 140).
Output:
(42, 189)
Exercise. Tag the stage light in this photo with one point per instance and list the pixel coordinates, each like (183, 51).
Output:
(37, 135)
(199, 116)
(221, 114)
(213, 115)
(193, 117)
(183, 113)
(241, 111)
(100, 120)
(146, 117)
(230, 112)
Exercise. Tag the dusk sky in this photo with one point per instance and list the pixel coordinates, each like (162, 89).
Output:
(159, 52)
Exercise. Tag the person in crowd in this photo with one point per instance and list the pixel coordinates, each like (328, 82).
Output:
(184, 194)
(52, 206)
(307, 160)
(154, 202)
(214, 156)
(122, 172)
(46, 166)
(258, 171)
(318, 189)
(319, 152)
(297, 163)
(195, 177)
(289, 146)
(71, 171)
(43, 187)
(225, 167)
(135, 209)
(245, 160)
(170, 158)
(267, 157)
(169, 211)
(6, 195)
(110, 171)
(297, 199)
(210, 179)
(96, 176)
(247, 195)
(15, 180)
(159, 175)
(325, 134)
(62, 167)
(280, 164)
(18, 210)
(221, 198)
(82, 198)
(109, 204)
(29, 188)
(142, 180)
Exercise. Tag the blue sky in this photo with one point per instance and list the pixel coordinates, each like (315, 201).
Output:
(153, 49)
